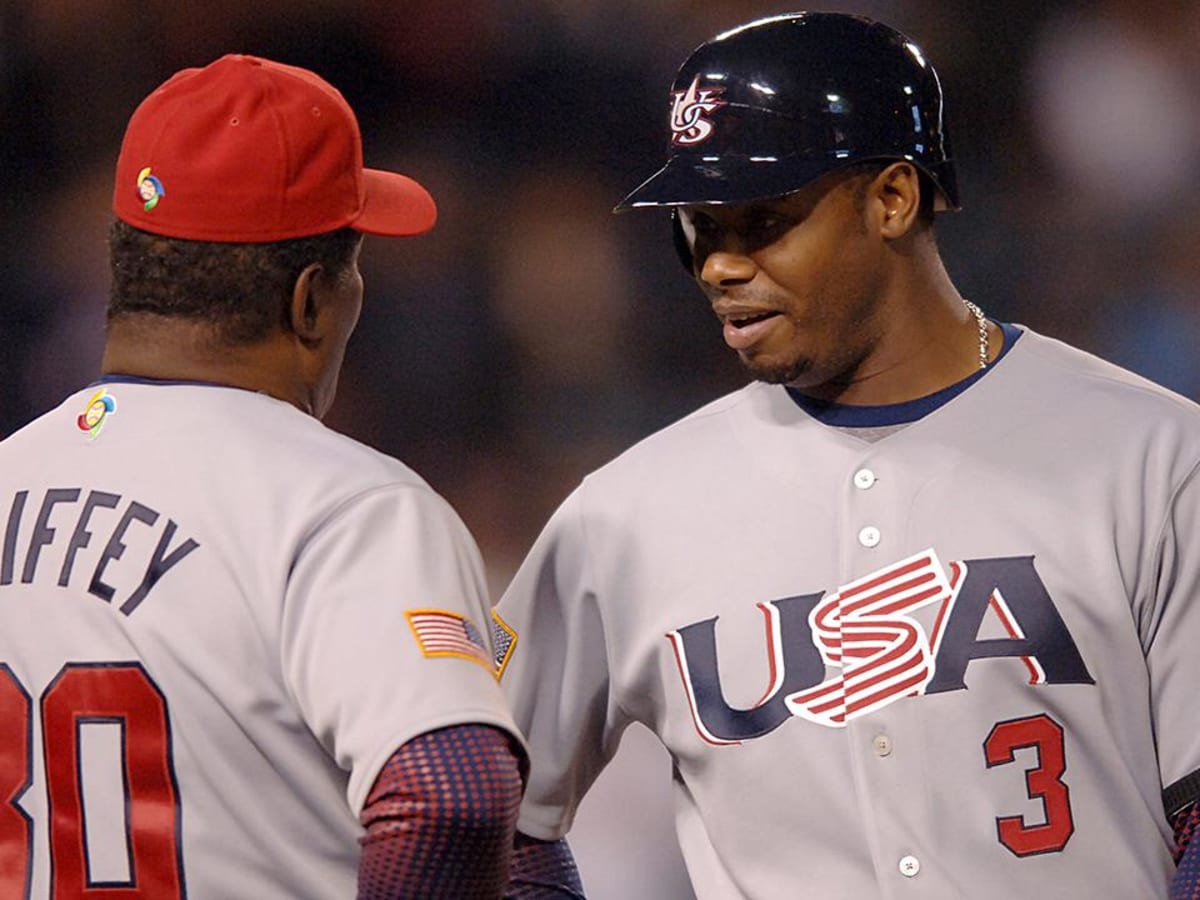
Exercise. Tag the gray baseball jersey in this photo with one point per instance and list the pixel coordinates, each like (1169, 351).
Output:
(218, 618)
(958, 662)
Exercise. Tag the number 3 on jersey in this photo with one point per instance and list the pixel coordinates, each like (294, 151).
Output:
(1043, 782)
(120, 694)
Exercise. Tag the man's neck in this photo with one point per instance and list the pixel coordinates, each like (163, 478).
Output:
(165, 348)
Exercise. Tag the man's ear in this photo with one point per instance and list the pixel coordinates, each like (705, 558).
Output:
(899, 191)
(304, 312)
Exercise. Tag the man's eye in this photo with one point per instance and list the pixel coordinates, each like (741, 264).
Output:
(765, 223)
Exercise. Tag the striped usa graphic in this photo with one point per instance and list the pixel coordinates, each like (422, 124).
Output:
(864, 629)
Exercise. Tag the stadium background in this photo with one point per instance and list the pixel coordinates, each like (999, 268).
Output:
(533, 335)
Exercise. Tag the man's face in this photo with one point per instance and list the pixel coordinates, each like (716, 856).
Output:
(795, 281)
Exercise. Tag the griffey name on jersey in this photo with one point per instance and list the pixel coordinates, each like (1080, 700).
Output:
(864, 634)
(50, 536)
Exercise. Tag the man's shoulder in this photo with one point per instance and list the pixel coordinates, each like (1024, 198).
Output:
(316, 446)
(1065, 374)
(169, 436)
(709, 432)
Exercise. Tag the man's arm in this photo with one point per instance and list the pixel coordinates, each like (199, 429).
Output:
(1172, 632)
(1186, 885)
(441, 817)
(543, 870)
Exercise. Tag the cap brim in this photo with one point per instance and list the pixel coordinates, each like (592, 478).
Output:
(725, 180)
(395, 206)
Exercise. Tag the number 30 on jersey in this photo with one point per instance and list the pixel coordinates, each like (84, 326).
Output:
(96, 857)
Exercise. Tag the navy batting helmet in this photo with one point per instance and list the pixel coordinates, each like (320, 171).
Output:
(762, 110)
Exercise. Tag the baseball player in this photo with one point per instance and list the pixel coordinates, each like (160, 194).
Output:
(235, 645)
(914, 612)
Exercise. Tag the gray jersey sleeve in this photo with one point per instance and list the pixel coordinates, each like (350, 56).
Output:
(556, 677)
(386, 630)
(1171, 634)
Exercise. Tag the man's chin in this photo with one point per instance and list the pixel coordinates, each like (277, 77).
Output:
(777, 373)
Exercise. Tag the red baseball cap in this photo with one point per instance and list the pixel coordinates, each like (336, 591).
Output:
(250, 150)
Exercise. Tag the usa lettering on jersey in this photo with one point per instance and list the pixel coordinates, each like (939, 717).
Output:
(864, 631)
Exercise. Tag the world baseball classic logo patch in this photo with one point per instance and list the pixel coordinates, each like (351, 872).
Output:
(440, 632)
(99, 407)
(150, 189)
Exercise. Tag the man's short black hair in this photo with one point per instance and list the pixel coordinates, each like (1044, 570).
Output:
(241, 290)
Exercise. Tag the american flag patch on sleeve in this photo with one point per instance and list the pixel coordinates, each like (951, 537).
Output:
(504, 639)
(440, 632)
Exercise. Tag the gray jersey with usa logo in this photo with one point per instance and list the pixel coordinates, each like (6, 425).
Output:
(957, 662)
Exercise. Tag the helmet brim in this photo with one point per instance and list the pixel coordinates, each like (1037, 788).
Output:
(685, 181)
(726, 180)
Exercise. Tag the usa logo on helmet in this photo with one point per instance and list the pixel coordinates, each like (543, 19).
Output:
(688, 111)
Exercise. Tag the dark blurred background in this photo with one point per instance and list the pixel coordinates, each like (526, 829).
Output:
(533, 335)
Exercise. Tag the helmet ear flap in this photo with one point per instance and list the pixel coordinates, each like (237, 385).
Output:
(683, 247)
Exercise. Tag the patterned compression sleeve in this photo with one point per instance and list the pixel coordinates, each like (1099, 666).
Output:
(1186, 885)
(441, 817)
(543, 870)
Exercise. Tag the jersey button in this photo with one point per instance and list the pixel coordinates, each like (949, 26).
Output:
(863, 479)
(869, 536)
(909, 866)
(882, 744)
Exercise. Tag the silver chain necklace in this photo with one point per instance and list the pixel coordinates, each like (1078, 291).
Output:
(981, 321)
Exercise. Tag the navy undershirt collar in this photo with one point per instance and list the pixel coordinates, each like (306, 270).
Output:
(842, 415)
(142, 379)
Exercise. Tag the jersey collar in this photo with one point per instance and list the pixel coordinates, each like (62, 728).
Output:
(843, 415)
